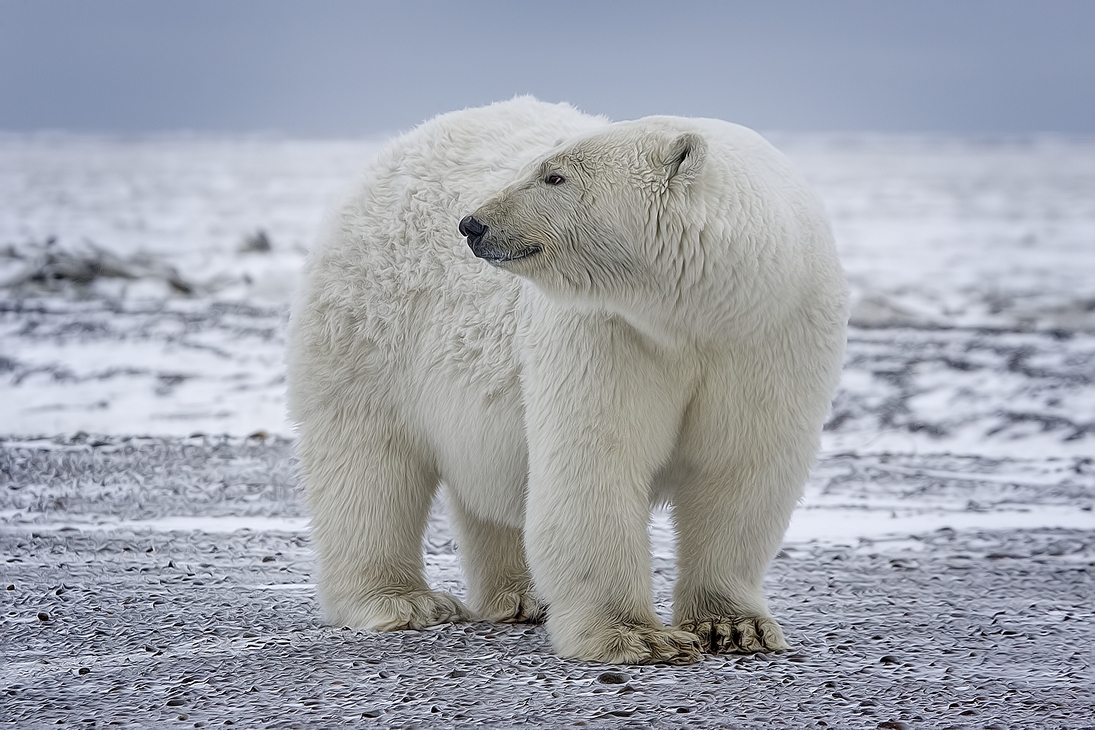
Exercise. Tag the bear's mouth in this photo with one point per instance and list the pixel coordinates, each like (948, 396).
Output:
(484, 244)
(497, 257)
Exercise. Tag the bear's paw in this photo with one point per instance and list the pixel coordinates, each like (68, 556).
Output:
(518, 607)
(627, 644)
(738, 634)
(401, 612)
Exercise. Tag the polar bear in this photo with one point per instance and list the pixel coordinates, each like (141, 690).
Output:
(643, 312)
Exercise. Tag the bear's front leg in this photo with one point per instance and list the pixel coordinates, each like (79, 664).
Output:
(729, 525)
(590, 555)
(370, 494)
(602, 413)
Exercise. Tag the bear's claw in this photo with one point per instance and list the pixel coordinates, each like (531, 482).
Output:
(649, 645)
(738, 634)
(514, 608)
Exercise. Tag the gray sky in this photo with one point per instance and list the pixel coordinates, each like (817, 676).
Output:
(325, 67)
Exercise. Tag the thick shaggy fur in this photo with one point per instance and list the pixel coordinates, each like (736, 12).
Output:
(656, 315)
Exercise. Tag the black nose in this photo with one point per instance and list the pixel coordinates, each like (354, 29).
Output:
(472, 228)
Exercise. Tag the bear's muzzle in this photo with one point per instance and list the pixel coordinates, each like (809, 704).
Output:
(484, 247)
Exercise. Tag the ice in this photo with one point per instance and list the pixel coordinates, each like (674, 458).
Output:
(961, 232)
(997, 235)
(931, 230)
(189, 201)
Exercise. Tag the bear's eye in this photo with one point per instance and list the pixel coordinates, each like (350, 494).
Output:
(555, 179)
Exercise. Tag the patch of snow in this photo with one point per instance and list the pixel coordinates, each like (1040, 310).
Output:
(843, 526)
(204, 524)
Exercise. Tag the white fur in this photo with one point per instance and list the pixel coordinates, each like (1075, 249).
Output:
(676, 338)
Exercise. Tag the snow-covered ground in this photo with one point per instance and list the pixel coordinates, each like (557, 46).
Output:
(143, 428)
(934, 233)
(938, 231)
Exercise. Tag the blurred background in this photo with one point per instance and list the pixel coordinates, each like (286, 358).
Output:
(165, 167)
(338, 68)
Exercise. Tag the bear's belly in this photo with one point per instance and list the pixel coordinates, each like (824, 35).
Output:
(459, 391)
(478, 440)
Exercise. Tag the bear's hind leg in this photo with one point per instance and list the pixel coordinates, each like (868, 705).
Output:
(493, 556)
(370, 495)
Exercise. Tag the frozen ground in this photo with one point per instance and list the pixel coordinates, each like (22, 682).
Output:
(155, 580)
(156, 557)
(994, 236)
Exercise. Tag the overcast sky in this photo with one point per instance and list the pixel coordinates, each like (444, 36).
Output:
(321, 67)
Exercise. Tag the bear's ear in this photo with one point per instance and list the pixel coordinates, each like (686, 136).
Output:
(684, 159)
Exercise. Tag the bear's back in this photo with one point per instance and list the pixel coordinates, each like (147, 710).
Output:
(401, 227)
(467, 155)
(394, 296)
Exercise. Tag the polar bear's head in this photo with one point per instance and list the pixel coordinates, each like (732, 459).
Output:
(597, 219)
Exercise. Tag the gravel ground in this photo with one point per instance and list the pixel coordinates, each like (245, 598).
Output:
(117, 611)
